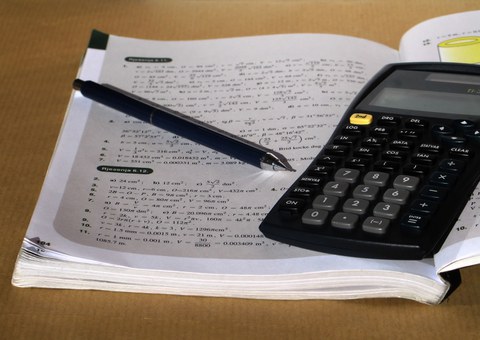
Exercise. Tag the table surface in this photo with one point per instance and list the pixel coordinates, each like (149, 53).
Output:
(42, 44)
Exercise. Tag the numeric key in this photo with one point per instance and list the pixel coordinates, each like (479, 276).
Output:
(325, 202)
(355, 206)
(397, 196)
(406, 182)
(367, 192)
(347, 175)
(377, 178)
(386, 210)
(338, 189)
(315, 217)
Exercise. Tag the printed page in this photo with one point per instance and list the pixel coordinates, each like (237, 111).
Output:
(139, 196)
(461, 248)
(451, 38)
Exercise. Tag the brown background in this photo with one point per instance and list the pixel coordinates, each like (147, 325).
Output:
(42, 42)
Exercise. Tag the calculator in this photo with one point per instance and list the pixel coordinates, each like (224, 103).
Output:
(395, 175)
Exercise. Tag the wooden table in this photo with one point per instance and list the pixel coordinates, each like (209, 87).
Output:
(42, 45)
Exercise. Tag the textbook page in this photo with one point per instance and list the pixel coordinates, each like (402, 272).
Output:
(451, 38)
(138, 196)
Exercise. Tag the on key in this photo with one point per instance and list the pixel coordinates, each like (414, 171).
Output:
(291, 207)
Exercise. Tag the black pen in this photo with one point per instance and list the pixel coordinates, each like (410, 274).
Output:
(182, 125)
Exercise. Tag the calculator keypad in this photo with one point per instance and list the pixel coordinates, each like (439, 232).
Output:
(376, 187)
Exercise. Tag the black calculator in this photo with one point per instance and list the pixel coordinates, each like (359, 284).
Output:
(397, 172)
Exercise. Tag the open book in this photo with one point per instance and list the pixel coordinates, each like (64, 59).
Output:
(126, 206)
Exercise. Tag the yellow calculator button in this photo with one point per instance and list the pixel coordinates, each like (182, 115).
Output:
(361, 119)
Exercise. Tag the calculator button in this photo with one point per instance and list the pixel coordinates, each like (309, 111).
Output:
(454, 166)
(416, 123)
(397, 196)
(441, 130)
(443, 179)
(338, 189)
(424, 158)
(353, 130)
(336, 150)
(459, 152)
(361, 119)
(415, 169)
(399, 144)
(347, 175)
(321, 170)
(376, 178)
(345, 140)
(409, 134)
(315, 217)
(394, 155)
(433, 193)
(406, 182)
(312, 182)
(414, 223)
(375, 225)
(387, 166)
(291, 207)
(463, 125)
(367, 192)
(325, 202)
(424, 206)
(386, 210)
(381, 131)
(430, 148)
(358, 163)
(452, 140)
(356, 206)
(374, 141)
(473, 136)
(365, 152)
(344, 220)
(388, 121)
(329, 160)
(302, 192)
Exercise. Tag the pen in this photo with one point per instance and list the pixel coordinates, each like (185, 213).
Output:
(183, 125)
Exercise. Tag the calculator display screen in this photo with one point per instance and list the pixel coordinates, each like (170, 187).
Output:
(453, 78)
(429, 101)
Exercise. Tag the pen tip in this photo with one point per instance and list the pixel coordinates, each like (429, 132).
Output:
(285, 166)
(275, 161)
